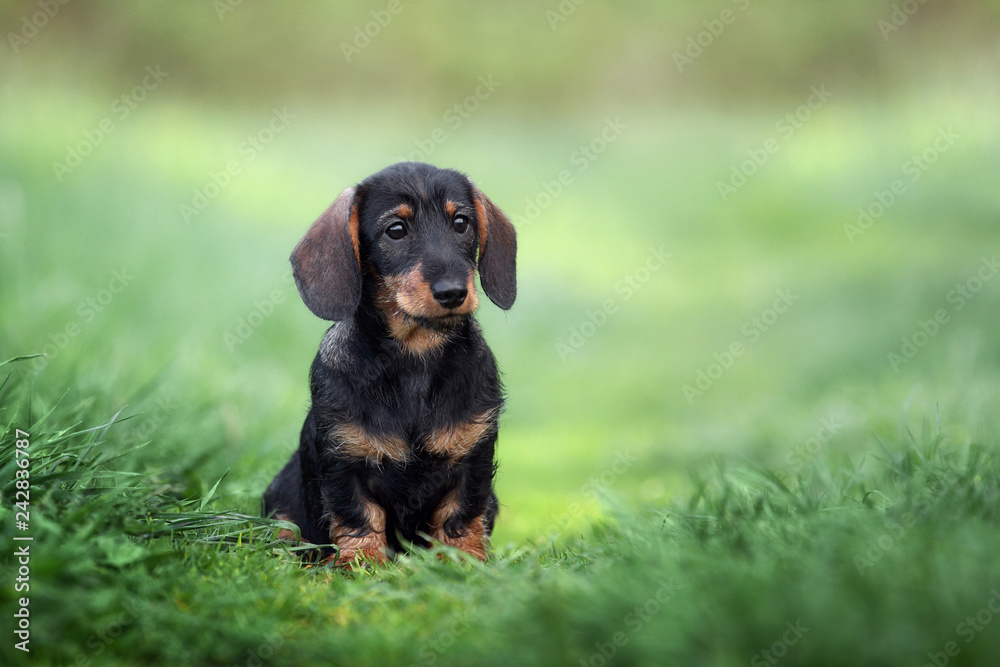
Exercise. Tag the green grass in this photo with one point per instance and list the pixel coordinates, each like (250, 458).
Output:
(811, 484)
(875, 561)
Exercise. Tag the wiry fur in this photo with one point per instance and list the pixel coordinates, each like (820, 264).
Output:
(405, 392)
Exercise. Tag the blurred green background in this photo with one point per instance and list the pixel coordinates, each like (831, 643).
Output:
(731, 215)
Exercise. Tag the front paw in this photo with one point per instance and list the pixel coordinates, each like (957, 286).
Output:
(470, 537)
(353, 559)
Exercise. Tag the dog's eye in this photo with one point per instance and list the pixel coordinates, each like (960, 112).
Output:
(461, 223)
(396, 231)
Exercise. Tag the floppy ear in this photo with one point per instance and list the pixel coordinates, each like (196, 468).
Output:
(497, 251)
(327, 261)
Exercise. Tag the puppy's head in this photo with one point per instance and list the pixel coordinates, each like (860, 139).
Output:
(419, 233)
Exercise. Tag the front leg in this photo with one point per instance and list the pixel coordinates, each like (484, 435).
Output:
(356, 524)
(464, 517)
(360, 535)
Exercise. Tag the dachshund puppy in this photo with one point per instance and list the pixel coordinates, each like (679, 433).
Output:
(399, 441)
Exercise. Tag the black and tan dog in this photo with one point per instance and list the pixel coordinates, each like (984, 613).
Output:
(399, 441)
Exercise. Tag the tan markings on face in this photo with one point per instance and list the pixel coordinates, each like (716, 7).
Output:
(352, 440)
(455, 442)
(414, 296)
(353, 228)
(473, 542)
(369, 542)
(403, 297)
(472, 300)
(404, 211)
(413, 337)
(481, 223)
(450, 208)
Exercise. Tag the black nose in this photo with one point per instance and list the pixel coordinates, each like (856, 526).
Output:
(449, 293)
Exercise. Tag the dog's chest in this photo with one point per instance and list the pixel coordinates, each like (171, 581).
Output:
(435, 414)
(406, 414)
